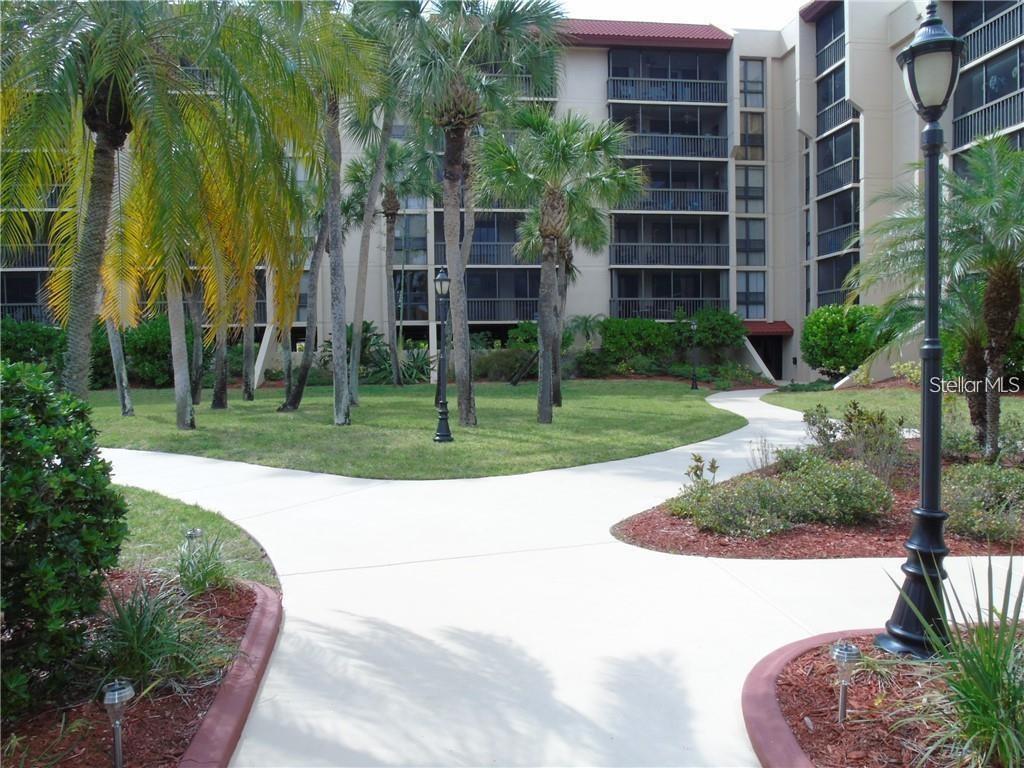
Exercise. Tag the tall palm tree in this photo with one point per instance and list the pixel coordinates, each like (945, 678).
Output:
(467, 60)
(408, 172)
(569, 170)
(107, 70)
(982, 230)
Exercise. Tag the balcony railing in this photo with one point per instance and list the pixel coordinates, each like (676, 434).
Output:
(990, 118)
(260, 315)
(834, 240)
(838, 175)
(835, 115)
(676, 145)
(678, 200)
(646, 89)
(481, 253)
(37, 313)
(831, 54)
(25, 256)
(995, 32)
(670, 254)
(837, 296)
(501, 310)
(662, 309)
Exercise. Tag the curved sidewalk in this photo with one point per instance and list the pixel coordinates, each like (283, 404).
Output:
(495, 621)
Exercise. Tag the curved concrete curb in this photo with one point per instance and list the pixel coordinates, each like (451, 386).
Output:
(769, 733)
(218, 734)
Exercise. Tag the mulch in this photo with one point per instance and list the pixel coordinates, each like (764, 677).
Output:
(157, 727)
(873, 734)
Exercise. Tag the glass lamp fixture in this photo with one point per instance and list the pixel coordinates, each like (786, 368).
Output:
(846, 656)
(930, 66)
(116, 696)
(442, 282)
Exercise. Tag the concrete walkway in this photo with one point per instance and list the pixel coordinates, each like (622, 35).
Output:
(495, 621)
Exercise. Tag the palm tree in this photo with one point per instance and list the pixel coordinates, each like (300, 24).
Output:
(467, 64)
(107, 70)
(408, 172)
(982, 226)
(568, 169)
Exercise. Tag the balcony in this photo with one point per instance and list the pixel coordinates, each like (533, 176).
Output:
(678, 200)
(260, 314)
(662, 309)
(838, 296)
(489, 254)
(670, 254)
(501, 310)
(835, 240)
(646, 89)
(37, 313)
(1004, 113)
(831, 54)
(995, 33)
(676, 145)
(26, 256)
(835, 115)
(838, 175)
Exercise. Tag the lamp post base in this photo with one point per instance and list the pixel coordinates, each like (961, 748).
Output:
(444, 432)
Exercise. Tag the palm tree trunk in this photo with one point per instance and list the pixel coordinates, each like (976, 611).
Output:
(546, 340)
(294, 398)
(285, 349)
(249, 351)
(369, 211)
(1002, 309)
(120, 369)
(564, 264)
(389, 290)
(974, 371)
(85, 273)
(196, 312)
(454, 160)
(220, 370)
(336, 238)
(179, 354)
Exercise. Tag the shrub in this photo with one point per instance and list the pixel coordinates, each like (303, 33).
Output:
(502, 364)
(823, 430)
(147, 348)
(31, 342)
(843, 493)
(642, 365)
(874, 438)
(821, 385)
(62, 526)
(837, 339)
(524, 336)
(750, 506)
(717, 330)
(909, 372)
(984, 501)
(625, 338)
(201, 566)
(317, 377)
(734, 373)
(591, 364)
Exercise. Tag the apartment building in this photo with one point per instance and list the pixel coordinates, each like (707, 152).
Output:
(764, 150)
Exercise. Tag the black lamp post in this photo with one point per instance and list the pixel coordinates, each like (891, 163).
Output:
(693, 354)
(441, 285)
(931, 65)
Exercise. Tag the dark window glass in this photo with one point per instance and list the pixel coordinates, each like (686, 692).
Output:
(1002, 76)
(970, 91)
(752, 82)
(967, 14)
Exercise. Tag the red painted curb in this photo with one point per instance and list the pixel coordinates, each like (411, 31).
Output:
(769, 733)
(218, 734)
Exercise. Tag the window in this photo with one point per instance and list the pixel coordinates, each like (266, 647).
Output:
(829, 26)
(666, 64)
(987, 82)
(807, 234)
(838, 210)
(751, 136)
(750, 242)
(831, 276)
(807, 178)
(410, 294)
(752, 82)
(411, 239)
(837, 148)
(807, 290)
(750, 295)
(676, 120)
(832, 88)
(749, 189)
(968, 14)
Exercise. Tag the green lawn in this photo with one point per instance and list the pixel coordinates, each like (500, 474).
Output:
(156, 529)
(897, 402)
(392, 428)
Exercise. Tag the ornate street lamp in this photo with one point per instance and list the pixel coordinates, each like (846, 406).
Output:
(441, 285)
(693, 354)
(931, 65)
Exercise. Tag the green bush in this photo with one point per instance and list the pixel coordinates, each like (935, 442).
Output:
(62, 526)
(502, 364)
(642, 365)
(871, 437)
(984, 501)
(593, 364)
(625, 338)
(843, 493)
(717, 330)
(147, 349)
(821, 385)
(837, 339)
(30, 342)
(751, 506)
(524, 336)
(201, 566)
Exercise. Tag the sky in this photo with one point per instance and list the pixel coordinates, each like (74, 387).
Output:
(735, 14)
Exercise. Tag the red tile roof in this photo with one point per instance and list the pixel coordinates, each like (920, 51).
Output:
(768, 328)
(598, 32)
(813, 11)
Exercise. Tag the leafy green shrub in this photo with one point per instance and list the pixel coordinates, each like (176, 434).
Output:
(821, 385)
(201, 566)
(843, 493)
(984, 501)
(317, 377)
(909, 371)
(685, 371)
(502, 364)
(62, 526)
(823, 430)
(147, 349)
(625, 338)
(482, 340)
(750, 506)
(642, 365)
(524, 336)
(274, 374)
(1011, 438)
(592, 364)
(717, 330)
(837, 339)
(874, 438)
(735, 373)
(30, 342)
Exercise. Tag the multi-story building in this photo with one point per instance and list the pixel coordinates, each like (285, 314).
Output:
(765, 151)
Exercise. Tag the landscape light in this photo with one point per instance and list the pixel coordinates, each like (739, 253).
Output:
(846, 656)
(116, 696)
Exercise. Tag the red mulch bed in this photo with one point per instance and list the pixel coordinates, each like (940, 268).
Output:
(659, 530)
(809, 700)
(157, 727)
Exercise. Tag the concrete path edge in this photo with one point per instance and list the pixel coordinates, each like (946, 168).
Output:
(769, 733)
(214, 743)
